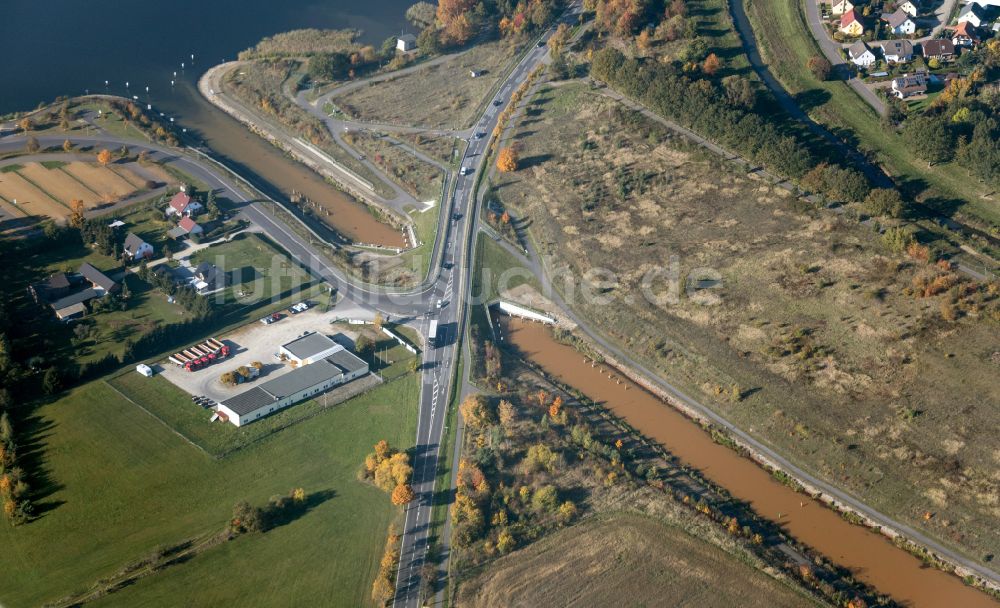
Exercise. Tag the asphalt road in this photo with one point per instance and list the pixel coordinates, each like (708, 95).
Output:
(439, 362)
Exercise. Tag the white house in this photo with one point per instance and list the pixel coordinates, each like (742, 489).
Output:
(908, 7)
(182, 204)
(839, 7)
(302, 383)
(136, 248)
(973, 13)
(861, 54)
(900, 23)
(897, 51)
(406, 43)
(908, 86)
(308, 349)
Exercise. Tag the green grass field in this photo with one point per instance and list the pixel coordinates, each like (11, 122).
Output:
(257, 268)
(786, 43)
(114, 484)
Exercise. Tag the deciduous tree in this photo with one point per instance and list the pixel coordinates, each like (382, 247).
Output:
(507, 160)
(819, 66)
(402, 494)
(711, 65)
(104, 157)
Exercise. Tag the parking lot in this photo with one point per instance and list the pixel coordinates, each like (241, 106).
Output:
(256, 342)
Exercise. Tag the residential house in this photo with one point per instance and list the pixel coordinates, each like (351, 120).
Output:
(52, 288)
(986, 3)
(839, 7)
(900, 23)
(101, 282)
(909, 7)
(136, 248)
(186, 227)
(941, 49)
(965, 34)
(183, 205)
(897, 51)
(908, 86)
(973, 13)
(861, 54)
(851, 24)
(209, 278)
(406, 43)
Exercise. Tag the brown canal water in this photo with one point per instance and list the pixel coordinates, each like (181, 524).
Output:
(870, 556)
(258, 160)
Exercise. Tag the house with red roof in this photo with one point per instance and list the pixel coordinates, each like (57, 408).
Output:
(965, 34)
(851, 24)
(186, 227)
(183, 205)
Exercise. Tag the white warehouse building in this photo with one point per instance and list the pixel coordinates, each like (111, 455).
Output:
(309, 348)
(319, 374)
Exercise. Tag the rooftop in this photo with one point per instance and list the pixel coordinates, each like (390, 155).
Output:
(133, 243)
(97, 277)
(75, 298)
(291, 383)
(309, 345)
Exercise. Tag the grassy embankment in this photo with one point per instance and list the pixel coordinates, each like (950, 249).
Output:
(787, 44)
(118, 484)
(836, 350)
(438, 96)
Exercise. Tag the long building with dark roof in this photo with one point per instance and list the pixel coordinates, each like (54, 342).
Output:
(339, 367)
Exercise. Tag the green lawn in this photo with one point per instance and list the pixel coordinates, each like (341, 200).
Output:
(496, 265)
(786, 43)
(258, 268)
(114, 483)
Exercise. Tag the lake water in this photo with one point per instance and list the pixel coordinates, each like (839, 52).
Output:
(68, 47)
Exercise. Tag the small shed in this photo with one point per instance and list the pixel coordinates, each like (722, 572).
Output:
(406, 43)
(145, 370)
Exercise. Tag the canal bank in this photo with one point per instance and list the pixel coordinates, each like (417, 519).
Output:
(871, 557)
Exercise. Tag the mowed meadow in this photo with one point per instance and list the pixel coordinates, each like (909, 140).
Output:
(114, 485)
(48, 188)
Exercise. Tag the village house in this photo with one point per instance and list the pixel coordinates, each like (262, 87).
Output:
(861, 54)
(908, 7)
(57, 291)
(965, 35)
(986, 3)
(909, 85)
(183, 205)
(209, 278)
(186, 227)
(900, 23)
(839, 7)
(897, 51)
(972, 13)
(851, 25)
(136, 248)
(406, 43)
(940, 49)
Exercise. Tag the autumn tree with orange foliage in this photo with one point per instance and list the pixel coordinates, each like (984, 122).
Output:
(383, 588)
(402, 494)
(456, 20)
(76, 213)
(475, 411)
(104, 157)
(712, 64)
(507, 160)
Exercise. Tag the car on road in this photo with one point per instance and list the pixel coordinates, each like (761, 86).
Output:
(498, 102)
(464, 171)
(438, 305)
(541, 43)
(456, 216)
(480, 134)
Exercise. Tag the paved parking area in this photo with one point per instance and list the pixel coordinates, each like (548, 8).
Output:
(257, 342)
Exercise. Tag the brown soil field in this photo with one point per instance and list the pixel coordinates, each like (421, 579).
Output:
(868, 368)
(60, 184)
(29, 198)
(624, 560)
(100, 179)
